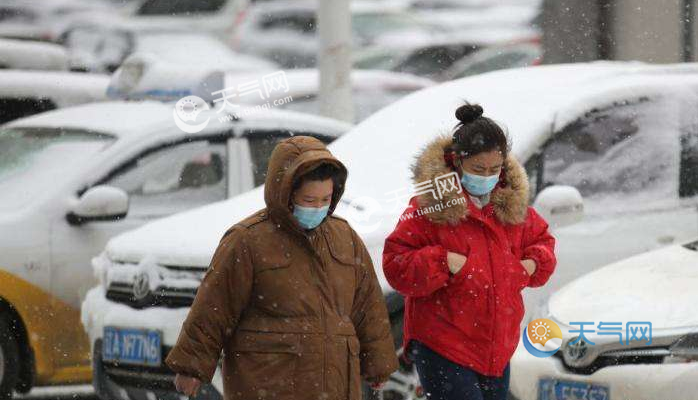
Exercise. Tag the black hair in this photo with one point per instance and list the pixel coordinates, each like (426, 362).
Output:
(475, 133)
(320, 173)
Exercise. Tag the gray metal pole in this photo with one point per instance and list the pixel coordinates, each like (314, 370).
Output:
(334, 60)
(687, 26)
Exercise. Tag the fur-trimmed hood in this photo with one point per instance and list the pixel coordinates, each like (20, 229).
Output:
(509, 198)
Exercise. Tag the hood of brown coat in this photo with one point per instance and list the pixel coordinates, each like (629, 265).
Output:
(509, 198)
(291, 158)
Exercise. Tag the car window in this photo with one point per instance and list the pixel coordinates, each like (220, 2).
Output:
(433, 60)
(499, 61)
(18, 107)
(174, 7)
(262, 143)
(175, 178)
(622, 151)
(298, 22)
(688, 171)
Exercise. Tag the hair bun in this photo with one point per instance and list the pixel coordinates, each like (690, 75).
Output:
(468, 113)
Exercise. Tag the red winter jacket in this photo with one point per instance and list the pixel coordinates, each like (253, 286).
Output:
(472, 317)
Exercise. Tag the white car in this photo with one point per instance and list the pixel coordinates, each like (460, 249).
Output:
(214, 17)
(285, 31)
(35, 55)
(71, 179)
(372, 90)
(103, 48)
(35, 19)
(433, 56)
(24, 93)
(608, 129)
(517, 55)
(658, 287)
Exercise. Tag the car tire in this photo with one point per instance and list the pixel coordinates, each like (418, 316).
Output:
(9, 359)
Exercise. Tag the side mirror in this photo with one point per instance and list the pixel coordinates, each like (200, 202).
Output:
(99, 203)
(560, 205)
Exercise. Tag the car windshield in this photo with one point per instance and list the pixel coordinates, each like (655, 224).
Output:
(33, 159)
(180, 7)
(371, 25)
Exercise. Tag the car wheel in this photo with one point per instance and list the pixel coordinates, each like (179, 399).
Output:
(9, 359)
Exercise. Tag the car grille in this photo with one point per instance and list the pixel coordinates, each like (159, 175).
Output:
(132, 284)
(161, 297)
(650, 355)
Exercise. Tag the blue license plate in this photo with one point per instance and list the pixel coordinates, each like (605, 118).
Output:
(553, 389)
(132, 346)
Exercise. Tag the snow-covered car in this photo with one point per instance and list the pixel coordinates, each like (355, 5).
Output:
(214, 17)
(24, 93)
(29, 54)
(434, 55)
(285, 31)
(71, 179)
(486, 15)
(100, 48)
(657, 287)
(35, 19)
(372, 90)
(493, 58)
(609, 132)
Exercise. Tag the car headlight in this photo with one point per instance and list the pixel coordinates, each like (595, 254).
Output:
(100, 267)
(686, 348)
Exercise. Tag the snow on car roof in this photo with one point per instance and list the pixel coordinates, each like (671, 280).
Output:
(119, 118)
(306, 81)
(196, 49)
(380, 150)
(64, 88)
(29, 54)
(137, 118)
(356, 6)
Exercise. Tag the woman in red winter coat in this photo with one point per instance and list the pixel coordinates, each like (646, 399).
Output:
(462, 257)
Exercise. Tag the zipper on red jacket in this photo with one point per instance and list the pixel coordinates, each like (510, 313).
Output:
(492, 302)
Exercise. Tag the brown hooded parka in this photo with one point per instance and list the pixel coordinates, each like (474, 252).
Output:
(298, 314)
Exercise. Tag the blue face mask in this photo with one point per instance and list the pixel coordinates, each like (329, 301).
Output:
(310, 217)
(478, 185)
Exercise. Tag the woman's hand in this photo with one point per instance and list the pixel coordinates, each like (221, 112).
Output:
(187, 385)
(455, 261)
(530, 266)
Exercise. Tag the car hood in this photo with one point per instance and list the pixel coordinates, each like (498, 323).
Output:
(658, 286)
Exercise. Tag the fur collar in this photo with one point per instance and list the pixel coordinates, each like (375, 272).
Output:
(510, 200)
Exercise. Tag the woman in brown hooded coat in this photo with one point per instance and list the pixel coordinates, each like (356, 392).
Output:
(297, 311)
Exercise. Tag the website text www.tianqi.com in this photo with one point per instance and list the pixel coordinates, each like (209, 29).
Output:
(256, 108)
(434, 208)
